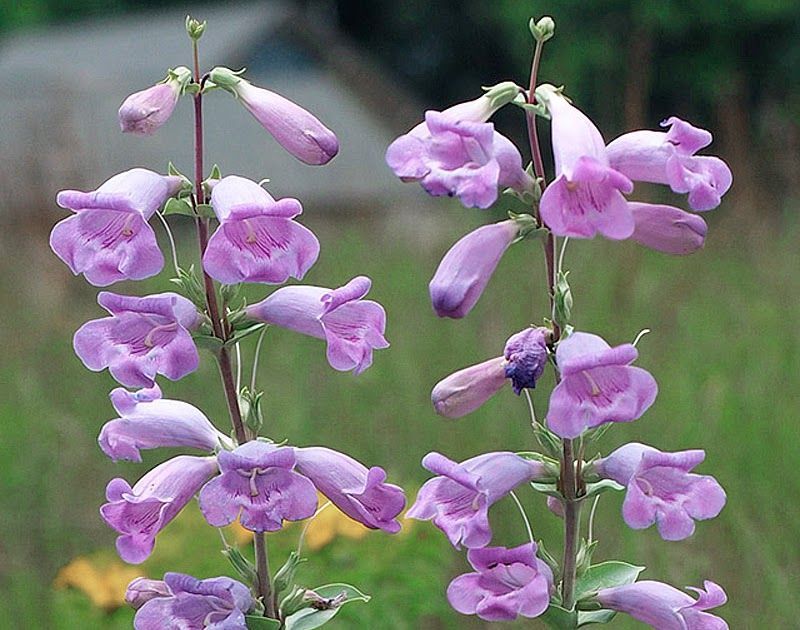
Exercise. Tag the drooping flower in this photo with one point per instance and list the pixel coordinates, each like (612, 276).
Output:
(143, 337)
(361, 493)
(142, 590)
(259, 487)
(598, 385)
(215, 603)
(351, 326)
(144, 112)
(507, 583)
(664, 607)
(662, 490)
(141, 512)
(464, 391)
(669, 158)
(295, 129)
(459, 498)
(257, 239)
(457, 153)
(667, 229)
(526, 357)
(108, 238)
(467, 267)
(148, 421)
(586, 196)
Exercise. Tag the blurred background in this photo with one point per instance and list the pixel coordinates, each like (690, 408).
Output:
(725, 346)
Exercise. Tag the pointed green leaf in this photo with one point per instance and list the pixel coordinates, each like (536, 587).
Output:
(546, 488)
(178, 206)
(208, 342)
(597, 487)
(261, 623)
(595, 616)
(206, 211)
(310, 618)
(559, 618)
(605, 575)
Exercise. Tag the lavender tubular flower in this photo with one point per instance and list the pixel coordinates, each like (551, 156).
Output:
(669, 158)
(295, 129)
(667, 229)
(257, 239)
(507, 583)
(351, 326)
(467, 268)
(457, 153)
(108, 238)
(458, 500)
(142, 590)
(141, 512)
(216, 603)
(664, 607)
(466, 390)
(662, 490)
(143, 337)
(359, 492)
(598, 385)
(586, 197)
(144, 112)
(148, 421)
(259, 486)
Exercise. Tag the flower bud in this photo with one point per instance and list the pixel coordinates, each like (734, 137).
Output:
(142, 590)
(296, 130)
(466, 269)
(667, 229)
(464, 391)
(543, 29)
(144, 112)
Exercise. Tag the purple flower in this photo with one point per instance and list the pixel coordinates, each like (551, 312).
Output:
(216, 603)
(360, 493)
(507, 583)
(598, 385)
(352, 327)
(669, 158)
(665, 607)
(259, 486)
(141, 512)
(144, 112)
(526, 357)
(108, 238)
(667, 229)
(143, 337)
(257, 239)
(587, 195)
(457, 153)
(467, 267)
(458, 500)
(295, 129)
(662, 490)
(464, 391)
(148, 421)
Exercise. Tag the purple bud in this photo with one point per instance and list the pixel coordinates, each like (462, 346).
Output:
(667, 229)
(526, 356)
(464, 391)
(142, 590)
(144, 112)
(295, 129)
(467, 267)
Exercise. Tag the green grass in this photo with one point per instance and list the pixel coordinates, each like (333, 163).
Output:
(725, 350)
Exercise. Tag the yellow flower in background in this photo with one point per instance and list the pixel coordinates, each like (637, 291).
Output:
(241, 536)
(330, 523)
(104, 580)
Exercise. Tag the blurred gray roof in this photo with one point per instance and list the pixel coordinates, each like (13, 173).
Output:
(63, 86)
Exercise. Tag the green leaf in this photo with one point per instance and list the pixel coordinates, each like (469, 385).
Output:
(178, 206)
(240, 334)
(261, 623)
(597, 487)
(605, 575)
(546, 488)
(206, 211)
(557, 617)
(310, 618)
(586, 618)
(208, 342)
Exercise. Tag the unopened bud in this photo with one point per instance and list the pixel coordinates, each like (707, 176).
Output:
(543, 29)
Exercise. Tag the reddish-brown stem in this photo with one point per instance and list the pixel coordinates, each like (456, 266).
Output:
(221, 329)
(569, 482)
